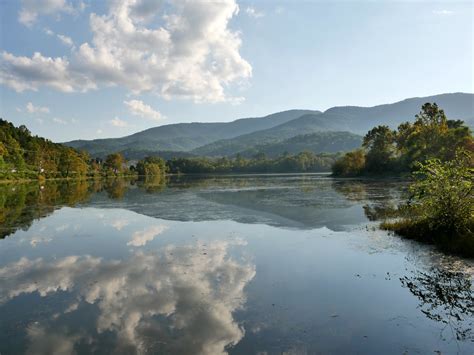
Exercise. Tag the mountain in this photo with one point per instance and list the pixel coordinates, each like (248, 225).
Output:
(229, 138)
(184, 136)
(319, 142)
(345, 118)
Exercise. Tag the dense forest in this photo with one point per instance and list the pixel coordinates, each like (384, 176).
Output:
(24, 156)
(302, 162)
(318, 142)
(392, 152)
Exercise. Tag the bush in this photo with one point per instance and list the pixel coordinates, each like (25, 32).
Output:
(441, 208)
(442, 194)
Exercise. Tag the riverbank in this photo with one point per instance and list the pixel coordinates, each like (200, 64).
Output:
(461, 244)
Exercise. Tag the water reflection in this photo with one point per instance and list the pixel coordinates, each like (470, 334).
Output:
(20, 204)
(180, 300)
(297, 202)
(379, 198)
(222, 264)
(445, 296)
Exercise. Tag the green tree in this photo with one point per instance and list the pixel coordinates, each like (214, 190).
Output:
(351, 164)
(151, 166)
(115, 163)
(379, 143)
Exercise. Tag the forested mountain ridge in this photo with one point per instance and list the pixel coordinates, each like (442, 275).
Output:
(184, 136)
(230, 138)
(348, 118)
(272, 146)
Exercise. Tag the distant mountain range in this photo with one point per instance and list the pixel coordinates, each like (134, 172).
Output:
(289, 131)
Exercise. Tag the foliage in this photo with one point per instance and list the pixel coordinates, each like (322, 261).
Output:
(443, 194)
(431, 136)
(276, 145)
(151, 166)
(441, 209)
(24, 156)
(302, 162)
(351, 164)
(380, 150)
(114, 163)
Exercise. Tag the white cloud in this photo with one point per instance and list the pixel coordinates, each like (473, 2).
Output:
(59, 120)
(30, 108)
(139, 108)
(117, 122)
(193, 55)
(253, 12)
(443, 12)
(140, 238)
(24, 73)
(48, 32)
(178, 295)
(31, 9)
(66, 40)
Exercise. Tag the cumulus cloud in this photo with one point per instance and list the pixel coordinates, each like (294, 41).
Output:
(31, 9)
(253, 12)
(140, 238)
(180, 296)
(117, 122)
(25, 73)
(139, 108)
(30, 108)
(192, 55)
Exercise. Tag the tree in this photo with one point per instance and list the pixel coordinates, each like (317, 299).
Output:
(379, 143)
(151, 166)
(115, 163)
(351, 164)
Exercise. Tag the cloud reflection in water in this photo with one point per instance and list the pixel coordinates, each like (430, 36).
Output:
(180, 299)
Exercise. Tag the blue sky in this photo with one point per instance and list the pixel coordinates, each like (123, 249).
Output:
(112, 68)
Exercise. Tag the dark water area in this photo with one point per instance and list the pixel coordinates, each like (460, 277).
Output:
(274, 264)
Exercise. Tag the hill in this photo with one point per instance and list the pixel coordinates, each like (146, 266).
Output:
(319, 142)
(348, 118)
(229, 138)
(184, 136)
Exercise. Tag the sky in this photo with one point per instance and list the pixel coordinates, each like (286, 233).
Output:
(99, 69)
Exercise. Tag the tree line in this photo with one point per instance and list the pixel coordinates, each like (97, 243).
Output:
(24, 156)
(393, 152)
(259, 163)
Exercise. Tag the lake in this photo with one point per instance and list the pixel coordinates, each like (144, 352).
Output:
(263, 264)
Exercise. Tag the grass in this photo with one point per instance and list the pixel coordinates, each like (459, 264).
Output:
(420, 230)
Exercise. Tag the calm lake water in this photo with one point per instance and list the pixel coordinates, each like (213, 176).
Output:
(290, 264)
